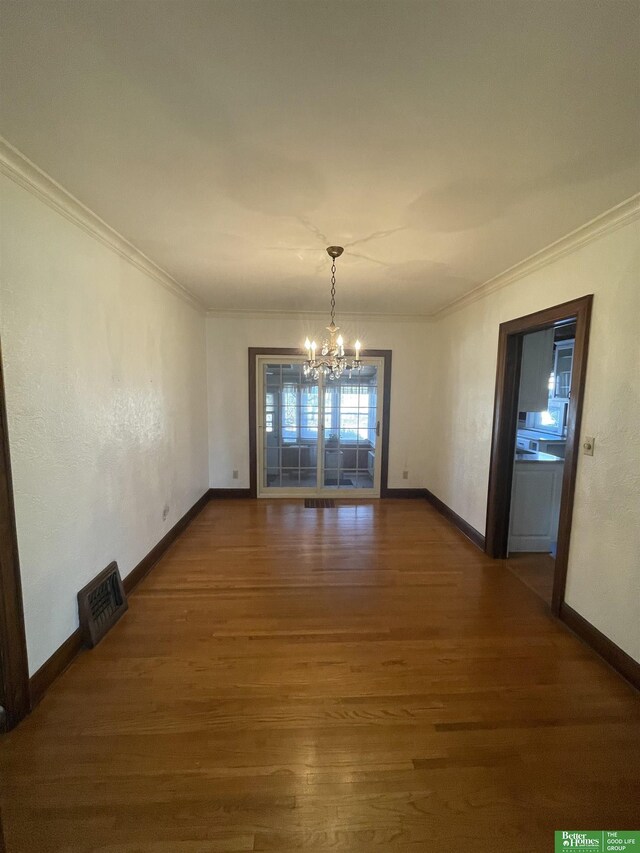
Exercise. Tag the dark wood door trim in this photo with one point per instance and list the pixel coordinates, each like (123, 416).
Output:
(14, 671)
(385, 354)
(505, 423)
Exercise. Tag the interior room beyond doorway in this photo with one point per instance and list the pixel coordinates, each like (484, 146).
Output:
(541, 434)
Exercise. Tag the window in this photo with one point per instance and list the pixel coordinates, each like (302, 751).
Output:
(269, 409)
(289, 413)
(309, 413)
(349, 412)
(552, 420)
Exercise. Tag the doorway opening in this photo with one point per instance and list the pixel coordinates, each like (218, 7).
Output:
(318, 437)
(541, 372)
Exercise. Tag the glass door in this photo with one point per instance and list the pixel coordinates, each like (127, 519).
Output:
(317, 437)
(351, 430)
(289, 423)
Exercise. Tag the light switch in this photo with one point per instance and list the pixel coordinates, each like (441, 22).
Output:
(588, 444)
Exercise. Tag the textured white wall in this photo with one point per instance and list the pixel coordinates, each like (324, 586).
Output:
(106, 397)
(603, 582)
(228, 339)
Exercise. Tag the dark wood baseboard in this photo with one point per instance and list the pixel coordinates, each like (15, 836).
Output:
(402, 493)
(147, 563)
(457, 520)
(3, 848)
(225, 494)
(618, 659)
(41, 680)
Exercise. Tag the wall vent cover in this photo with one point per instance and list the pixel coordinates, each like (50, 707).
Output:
(100, 604)
(319, 503)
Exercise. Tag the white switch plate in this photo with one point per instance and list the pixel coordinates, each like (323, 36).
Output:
(588, 443)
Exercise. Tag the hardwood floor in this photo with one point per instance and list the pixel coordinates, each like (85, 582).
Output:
(536, 571)
(351, 679)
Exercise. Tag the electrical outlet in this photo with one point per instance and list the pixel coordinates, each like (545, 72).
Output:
(405, 475)
(235, 473)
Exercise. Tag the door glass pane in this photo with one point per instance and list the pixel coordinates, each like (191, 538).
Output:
(351, 419)
(290, 434)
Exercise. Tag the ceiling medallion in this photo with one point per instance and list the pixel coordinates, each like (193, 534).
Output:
(331, 362)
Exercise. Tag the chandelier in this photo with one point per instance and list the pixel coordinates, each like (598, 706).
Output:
(331, 361)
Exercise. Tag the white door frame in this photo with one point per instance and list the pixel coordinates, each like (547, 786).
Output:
(320, 490)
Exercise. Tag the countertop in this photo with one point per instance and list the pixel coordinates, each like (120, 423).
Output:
(536, 456)
(539, 435)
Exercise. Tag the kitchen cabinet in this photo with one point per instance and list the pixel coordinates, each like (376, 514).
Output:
(535, 370)
(562, 370)
(535, 503)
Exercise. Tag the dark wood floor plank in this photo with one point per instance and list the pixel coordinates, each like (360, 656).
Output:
(356, 679)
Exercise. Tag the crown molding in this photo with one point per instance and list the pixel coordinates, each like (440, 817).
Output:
(273, 314)
(26, 174)
(612, 219)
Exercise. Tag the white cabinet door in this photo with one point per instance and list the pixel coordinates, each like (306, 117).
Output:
(535, 506)
(535, 370)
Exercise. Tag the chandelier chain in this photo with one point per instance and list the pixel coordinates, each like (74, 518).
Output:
(333, 291)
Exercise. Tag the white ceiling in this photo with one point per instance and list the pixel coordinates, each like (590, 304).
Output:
(231, 142)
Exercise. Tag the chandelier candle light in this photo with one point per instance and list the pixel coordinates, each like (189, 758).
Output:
(332, 362)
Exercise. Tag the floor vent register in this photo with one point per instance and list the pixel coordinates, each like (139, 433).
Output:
(100, 604)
